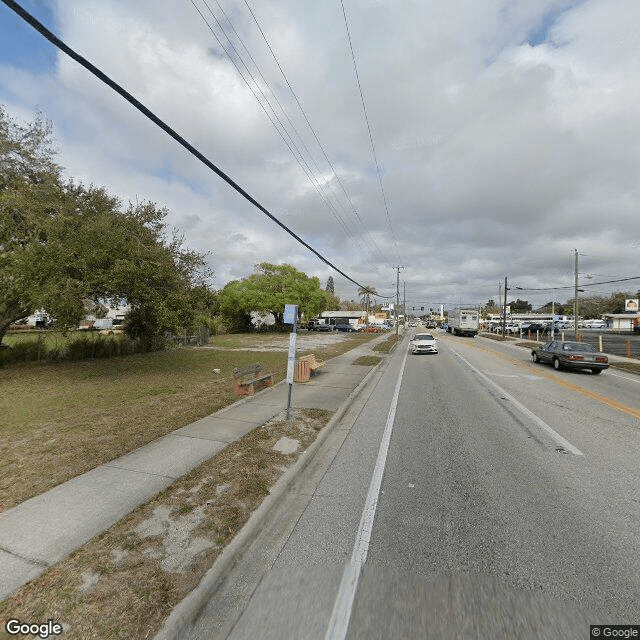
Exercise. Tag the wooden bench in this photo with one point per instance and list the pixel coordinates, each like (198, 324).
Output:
(314, 363)
(247, 378)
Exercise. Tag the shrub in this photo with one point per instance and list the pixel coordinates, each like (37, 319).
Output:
(79, 347)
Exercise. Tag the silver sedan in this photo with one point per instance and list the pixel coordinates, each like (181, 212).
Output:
(570, 355)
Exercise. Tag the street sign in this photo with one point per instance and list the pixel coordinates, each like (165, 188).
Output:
(291, 317)
(290, 313)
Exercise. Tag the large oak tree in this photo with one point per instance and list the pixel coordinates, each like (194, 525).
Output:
(268, 290)
(62, 242)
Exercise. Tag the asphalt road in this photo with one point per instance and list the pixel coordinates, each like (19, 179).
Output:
(619, 344)
(509, 506)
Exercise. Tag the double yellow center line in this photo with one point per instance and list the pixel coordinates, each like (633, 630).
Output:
(613, 404)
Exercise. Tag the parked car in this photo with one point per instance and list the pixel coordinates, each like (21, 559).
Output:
(423, 343)
(508, 328)
(345, 327)
(372, 328)
(536, 327)
(314, 325)
(572, 355)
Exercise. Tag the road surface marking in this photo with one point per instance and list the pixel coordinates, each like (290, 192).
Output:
(341, 614)
(511, 375)
(543, 425)
(612, 404)
(616, 375)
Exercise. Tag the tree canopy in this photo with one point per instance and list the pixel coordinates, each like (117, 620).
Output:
(366, 293)
(62, 242)
(331, 287)
(267, 291)
(520, 306)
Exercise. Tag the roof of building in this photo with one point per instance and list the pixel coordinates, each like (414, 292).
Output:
(630, 315)
(343, 314)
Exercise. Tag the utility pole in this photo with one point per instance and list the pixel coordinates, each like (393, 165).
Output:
(404, 303)
(397, 268)
(504, 309)
(575, 298)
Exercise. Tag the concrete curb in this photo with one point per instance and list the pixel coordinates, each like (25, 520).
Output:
(186, 611)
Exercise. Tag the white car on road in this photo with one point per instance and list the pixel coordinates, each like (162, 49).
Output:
(423, 343)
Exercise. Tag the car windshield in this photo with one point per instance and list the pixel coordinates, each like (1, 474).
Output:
(577, 346)
(423, 336)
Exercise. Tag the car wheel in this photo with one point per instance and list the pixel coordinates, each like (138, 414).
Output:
(556, 364)
(596, 371)
(535, 357)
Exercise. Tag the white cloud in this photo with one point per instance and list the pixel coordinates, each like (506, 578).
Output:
(498, 157)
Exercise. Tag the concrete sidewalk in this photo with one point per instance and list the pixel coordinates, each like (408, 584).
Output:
(43, 530)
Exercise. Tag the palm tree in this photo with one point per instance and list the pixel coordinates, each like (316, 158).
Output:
(365, 294)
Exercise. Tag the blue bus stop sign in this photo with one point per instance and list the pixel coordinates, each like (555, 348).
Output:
(290, 313)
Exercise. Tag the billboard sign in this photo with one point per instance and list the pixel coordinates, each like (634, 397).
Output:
(631, 305)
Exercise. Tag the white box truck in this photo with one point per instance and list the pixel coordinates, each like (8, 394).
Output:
(103, 324)
(464, 322)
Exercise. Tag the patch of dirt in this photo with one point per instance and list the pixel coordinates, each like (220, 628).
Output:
(124, 583)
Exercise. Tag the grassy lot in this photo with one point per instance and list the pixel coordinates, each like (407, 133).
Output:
(67, 418)
(60, 420)
(123, 583)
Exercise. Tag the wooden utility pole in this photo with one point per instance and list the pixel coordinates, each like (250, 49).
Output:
(397, 268)
(504, 309)
(575, 298)
(404, 303)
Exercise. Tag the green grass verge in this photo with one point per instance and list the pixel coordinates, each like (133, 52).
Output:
(61, 420)
(388, 344)
(367, 361)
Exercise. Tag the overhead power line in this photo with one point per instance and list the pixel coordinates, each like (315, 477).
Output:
(366, 117)
(313, 131)
(38, 26)
(279, 127)
(582, 284)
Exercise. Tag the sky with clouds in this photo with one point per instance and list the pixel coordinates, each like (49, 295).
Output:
(507, 133)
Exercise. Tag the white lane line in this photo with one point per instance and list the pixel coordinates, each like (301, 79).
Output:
(343, 605)
(565, 444)
(616, 375)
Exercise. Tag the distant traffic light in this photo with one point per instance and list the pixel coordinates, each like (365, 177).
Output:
(421, 308)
